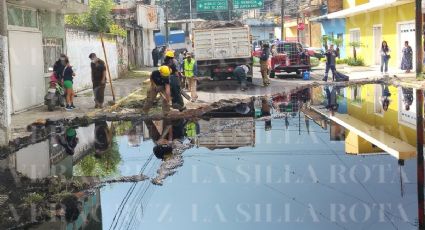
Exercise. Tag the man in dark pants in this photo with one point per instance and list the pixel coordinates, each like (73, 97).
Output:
(98, 77)
(331, 55)
(155, 56)
(177, 99)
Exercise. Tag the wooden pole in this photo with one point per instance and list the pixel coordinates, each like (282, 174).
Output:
(420, 156)
(107, 66)
(282, 21)
(418, 35)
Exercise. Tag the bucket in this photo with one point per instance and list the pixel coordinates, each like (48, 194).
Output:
(306, 75)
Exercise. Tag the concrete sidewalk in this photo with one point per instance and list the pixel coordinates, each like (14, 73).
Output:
(84, 103)
(364, 72)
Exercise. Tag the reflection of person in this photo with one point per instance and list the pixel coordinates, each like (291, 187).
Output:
(407, 97)
(265, 111)
(168, 147)
(331, 96)
(69, 140)
(385, 100)
(103, 137)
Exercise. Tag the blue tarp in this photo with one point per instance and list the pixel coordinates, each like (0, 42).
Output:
(175, 36)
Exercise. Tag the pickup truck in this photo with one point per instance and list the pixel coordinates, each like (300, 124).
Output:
(291, 57)
(219, 50)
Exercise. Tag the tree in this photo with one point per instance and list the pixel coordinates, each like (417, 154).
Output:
(97, 19)
(355, 45)
(324, 40)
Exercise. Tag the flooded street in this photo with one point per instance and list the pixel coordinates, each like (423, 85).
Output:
(322, 158)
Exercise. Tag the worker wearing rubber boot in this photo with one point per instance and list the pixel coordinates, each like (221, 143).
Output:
(190, 69)
(264, 67)
(160, 83)
(177, 99)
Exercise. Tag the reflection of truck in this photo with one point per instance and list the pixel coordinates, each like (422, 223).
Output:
(219, 49)
(240, 135)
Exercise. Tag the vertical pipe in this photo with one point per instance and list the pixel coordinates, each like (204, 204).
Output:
(107, 67)
(282, 20)
(420, 156)
(419, 44)
(166, 24)
(5, 93)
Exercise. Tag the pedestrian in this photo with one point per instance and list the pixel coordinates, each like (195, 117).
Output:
(190, 72)
(385, 57)
(160, 83)
(331, 55)
(273, 50)
(240, 73)
(155, 56)
(59, 66)
(177, 99)
(98, 77)
(407, 59)
(161, 54)
(68, 83)
(264, 58)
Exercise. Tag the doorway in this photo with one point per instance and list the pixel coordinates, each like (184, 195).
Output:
(377, 39)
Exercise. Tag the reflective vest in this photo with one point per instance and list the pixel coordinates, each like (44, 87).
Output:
(189, 68)
(191, 129)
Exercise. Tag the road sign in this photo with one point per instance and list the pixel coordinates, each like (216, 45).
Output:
(211, 5)
(248, 4)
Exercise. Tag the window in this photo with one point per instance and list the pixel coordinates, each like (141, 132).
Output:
(355, 35)
(52, 48)
(22, 17)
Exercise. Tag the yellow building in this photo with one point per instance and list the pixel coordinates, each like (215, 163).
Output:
(372, 21)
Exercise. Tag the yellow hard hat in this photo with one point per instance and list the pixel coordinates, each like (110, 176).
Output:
(165, 71)
(169, 53)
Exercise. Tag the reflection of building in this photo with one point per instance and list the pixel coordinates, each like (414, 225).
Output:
(370, 129)
(47, 158)
(240, 135)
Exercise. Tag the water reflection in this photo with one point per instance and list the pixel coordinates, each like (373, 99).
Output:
(334, 158)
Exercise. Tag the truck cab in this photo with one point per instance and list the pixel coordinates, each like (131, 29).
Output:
(290, 57)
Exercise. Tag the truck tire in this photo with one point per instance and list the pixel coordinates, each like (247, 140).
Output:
(272, 74)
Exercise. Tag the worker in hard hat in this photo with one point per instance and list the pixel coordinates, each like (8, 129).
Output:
(177, 99)
(160, 83)
(190, 72)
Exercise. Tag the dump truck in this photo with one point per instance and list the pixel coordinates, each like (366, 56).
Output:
(219, 47)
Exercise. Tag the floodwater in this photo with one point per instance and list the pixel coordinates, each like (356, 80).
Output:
(322, 158)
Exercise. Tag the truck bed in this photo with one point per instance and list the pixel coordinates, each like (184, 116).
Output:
(222, 43)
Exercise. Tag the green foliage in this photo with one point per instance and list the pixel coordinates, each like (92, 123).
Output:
(105, 166)
(341, 61)
(117, 30)
(337, 41)
(355, 44)
(33, 198)
(355, 61)
(324, 40)
(97, 19)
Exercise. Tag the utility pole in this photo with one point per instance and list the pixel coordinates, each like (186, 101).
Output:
(5, 93)
(165, 5)
(190, 16)
(282, 20)
(419, 117)
(229, 2)
(419, 44)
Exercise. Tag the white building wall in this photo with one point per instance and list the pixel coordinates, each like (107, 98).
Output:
(79, 45)
(148, 45)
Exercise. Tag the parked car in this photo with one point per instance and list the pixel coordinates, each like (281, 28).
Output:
(291, 57)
